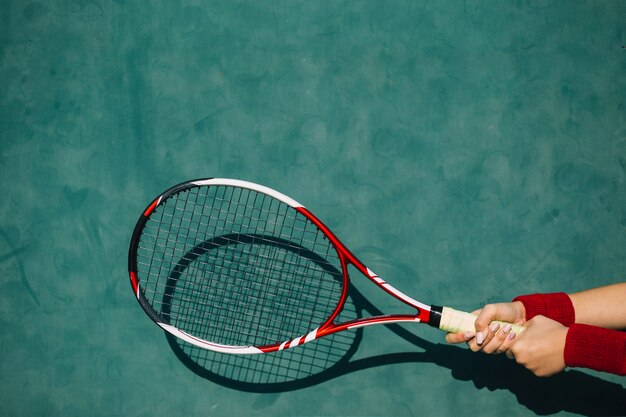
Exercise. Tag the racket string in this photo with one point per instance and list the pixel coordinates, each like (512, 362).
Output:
(269, 274)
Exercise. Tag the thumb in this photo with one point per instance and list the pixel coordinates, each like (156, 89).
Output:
(459, 337)
(485, 316)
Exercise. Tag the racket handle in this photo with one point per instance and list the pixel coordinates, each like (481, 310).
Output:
(455, 321)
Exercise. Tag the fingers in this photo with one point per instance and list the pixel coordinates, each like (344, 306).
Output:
(500, 341)
(495, 339)
(483, 337)
(485, 329)
(459, 337)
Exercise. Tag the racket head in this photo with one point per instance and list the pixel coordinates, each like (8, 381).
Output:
(235, 267)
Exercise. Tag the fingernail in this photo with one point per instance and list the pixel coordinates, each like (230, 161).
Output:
(479, 338)
(506, 328)
(468, 335)
(511, 336)
(494, 327)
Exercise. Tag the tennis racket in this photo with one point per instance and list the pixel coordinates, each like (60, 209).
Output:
(236, 267)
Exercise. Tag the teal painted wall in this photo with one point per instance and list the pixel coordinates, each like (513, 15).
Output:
(467, 152)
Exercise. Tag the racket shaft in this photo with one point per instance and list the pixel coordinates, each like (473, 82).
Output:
(455, 321)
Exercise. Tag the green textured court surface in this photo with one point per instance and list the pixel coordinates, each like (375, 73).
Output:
(466, 151)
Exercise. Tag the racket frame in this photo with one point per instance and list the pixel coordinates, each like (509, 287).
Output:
(424, 313)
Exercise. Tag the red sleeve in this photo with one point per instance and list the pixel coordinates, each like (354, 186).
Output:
(596, 348)
(556, 306)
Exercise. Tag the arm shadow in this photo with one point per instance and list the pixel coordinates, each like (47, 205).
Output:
(573, 391)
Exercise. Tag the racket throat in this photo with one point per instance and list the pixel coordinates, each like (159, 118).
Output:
(434, 318)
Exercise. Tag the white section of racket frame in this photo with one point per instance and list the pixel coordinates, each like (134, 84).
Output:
(204, 344)
(250, 186)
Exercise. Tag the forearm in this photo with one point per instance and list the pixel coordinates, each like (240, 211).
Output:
(603, 306)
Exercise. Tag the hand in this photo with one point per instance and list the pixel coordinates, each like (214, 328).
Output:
(540, 347)
(494, 339)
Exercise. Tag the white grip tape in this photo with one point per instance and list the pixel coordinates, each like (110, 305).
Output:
(455, 321)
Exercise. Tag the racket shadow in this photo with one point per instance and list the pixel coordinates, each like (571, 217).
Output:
(286, 370)
(332, 357)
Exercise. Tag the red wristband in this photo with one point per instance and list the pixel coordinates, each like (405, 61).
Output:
(596, 348)
(556, 306)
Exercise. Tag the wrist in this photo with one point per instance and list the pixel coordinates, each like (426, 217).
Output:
(556, 306)
(595, 348)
